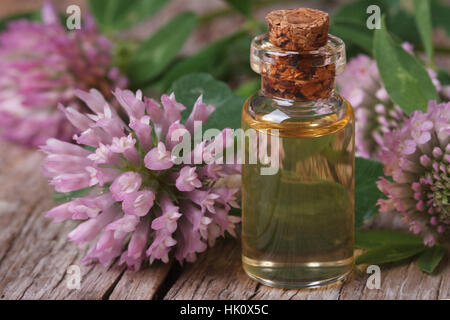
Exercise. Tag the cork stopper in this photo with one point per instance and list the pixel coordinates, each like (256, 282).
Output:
(300, 29)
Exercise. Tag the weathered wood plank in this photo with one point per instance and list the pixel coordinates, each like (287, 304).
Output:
(217, 274)
(19, 192)
(444, 272)
(141, 285)
(36, 265)
(34, 252)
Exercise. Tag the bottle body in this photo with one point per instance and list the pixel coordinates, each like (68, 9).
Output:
(298, 221)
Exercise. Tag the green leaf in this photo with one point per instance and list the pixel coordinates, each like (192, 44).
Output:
(444, 77)
(114, 11)
(228, 114)
(367, 194)
(248, 88)
(237, 59)
(211, 59)
(243, 6)
(403, 25)
(355, 12)
(440, 14)
(97, 8)
(32, 15)
(228, 106)
(387, 246)
(60, 197)
(404, 77)
(142, 10)
(188, 88)
(349, 23)
(120, 14)
(422, 14)
(389, 253)
(155, 54)
(356, 34)
(430, 258)
(368, 239)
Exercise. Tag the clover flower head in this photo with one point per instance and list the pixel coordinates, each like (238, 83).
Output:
(142, 203)
(417, 157)
(375, 113)
(41, 65)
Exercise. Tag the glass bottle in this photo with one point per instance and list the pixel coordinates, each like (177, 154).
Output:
(298, 221)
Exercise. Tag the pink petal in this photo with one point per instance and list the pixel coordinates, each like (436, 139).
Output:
(158, 158)
(138, 203)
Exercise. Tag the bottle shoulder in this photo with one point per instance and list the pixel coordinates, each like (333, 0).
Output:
(297, 119)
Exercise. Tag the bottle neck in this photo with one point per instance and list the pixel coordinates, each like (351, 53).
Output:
(300, 82)
(300, 76)
(294, 108)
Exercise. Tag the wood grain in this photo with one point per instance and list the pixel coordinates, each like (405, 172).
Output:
(217, 275)
(142, 285)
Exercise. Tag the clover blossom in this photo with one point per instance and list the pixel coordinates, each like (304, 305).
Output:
(417, 157)
(41, 64)
(376, 114)
(142, 203)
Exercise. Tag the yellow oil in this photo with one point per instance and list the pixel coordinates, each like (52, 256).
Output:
(298, 224)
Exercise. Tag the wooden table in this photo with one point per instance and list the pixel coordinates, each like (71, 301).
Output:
(35, 257)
